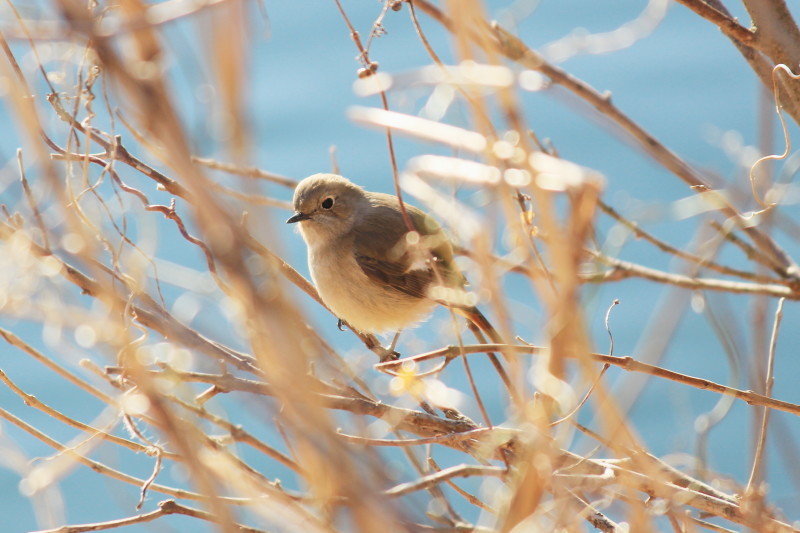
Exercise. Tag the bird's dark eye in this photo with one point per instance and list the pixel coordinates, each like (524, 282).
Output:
(327, 203)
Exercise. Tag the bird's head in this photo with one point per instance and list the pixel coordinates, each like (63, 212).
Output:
(325, 206)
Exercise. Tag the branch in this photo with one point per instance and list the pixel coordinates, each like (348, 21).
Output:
(688, 282)
(115, 150)
(443, 475)
(665, 247)
(773, 39)
(248, 172)
(33, 401)
(728, 25)
(100, 468)
(417, 422)
(166, 507)
(516, 50)
(776, 32)
(147, 312)
(474, 434)
(624, 362)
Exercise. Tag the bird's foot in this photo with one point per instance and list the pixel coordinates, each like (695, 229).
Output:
(385, 354)
(394, 341)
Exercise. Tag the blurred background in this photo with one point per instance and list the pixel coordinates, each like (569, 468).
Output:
(670, 71)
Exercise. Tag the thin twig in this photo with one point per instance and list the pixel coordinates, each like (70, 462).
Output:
(756, 472)
(369, 69)
(240, 434)
(622, 269)
(247, 172)
(474, 500)
(443, 475)
(452, 437)
(149, 313)
(677, 252)
(33, 401)
(167, 507)
(101, 468)
(599, 375)
(31, 202)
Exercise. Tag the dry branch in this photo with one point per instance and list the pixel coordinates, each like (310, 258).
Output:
(85, 230)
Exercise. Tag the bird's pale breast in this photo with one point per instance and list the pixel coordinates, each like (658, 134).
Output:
(363, 303)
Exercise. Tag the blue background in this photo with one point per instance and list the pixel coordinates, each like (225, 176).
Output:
(684, 83)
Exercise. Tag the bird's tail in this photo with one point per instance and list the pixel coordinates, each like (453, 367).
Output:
(482, 328)
(478, 320)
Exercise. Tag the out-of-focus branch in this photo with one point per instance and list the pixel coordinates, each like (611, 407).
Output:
(116, 151)
(775, 257)
(239, 434)
(63, 373)
(147, 312)
(247, 172)
(756, 472)
(516, 50)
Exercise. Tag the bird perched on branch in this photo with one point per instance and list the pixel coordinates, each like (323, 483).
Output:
(374, 267)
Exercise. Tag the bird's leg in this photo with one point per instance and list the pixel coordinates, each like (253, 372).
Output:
(384, 354)
(389, 353)
(339, 324)
(394, 341)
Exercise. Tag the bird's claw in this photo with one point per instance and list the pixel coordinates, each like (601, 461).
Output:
(385, 354)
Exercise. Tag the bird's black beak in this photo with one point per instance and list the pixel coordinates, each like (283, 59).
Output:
(297, 217)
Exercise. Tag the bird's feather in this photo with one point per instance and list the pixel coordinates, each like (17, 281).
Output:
(385, 255)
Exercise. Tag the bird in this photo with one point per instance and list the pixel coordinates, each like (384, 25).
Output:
(369, 267)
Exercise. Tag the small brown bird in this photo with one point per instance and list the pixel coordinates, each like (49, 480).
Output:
(368, 267)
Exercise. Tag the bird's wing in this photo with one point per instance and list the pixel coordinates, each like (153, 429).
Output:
(390, 274)
(382, 253)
